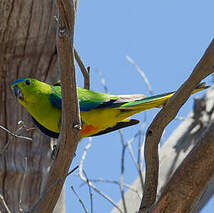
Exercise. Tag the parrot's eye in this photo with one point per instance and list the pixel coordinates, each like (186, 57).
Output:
(27, 82)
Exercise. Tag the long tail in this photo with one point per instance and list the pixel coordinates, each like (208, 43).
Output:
(156, 100)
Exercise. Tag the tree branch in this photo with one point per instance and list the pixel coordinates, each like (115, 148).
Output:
(86, 180)
(168, 112)
(195, 172)
(4, 204)
(124, 146)
(69, 136)
(84, 71)
(80, 200)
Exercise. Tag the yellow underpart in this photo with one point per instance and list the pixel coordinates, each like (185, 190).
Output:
(101, 118)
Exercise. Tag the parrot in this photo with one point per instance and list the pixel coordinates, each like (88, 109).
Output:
(100, 113)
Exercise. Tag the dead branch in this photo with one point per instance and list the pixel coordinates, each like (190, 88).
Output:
(85, 72)
(142, 74)
(15, 134)
(50, 188)
(5, 204)
(186, 186)
(80, 200)
(102, 180)
(103, 81)
(86, 180)
(90, 193)
(124, 146)
(202, 70)
(70, 130)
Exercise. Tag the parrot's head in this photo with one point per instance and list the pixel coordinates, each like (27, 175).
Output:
(29, 91)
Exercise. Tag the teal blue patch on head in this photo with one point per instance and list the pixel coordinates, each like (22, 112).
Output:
(17, 81)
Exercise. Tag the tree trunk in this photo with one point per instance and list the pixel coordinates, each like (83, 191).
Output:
(27, 49)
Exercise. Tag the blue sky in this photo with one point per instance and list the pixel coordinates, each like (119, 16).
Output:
(166, 39)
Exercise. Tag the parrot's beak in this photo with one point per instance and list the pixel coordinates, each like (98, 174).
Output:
(17, 92)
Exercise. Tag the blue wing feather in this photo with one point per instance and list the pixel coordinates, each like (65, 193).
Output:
(56, 99)
(87, 99)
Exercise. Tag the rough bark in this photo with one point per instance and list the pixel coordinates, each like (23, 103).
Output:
(27, 49)
(187, 184)
(70, 130)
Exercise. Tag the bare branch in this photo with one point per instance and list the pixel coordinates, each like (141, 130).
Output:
(142, 74)
(86, 180)
(140, 158)
(202, 70)
(103, 81)
(101, 193)
(50, 188)
(195, 171)
(5, 204)
(115, 182)
(15, 135)
(138, 163)
(83, 157)
(22, 186)
(80, 200)
(124, 146)
(85, 72)
(90, 192)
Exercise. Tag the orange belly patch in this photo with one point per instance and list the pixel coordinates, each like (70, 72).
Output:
(88, 130)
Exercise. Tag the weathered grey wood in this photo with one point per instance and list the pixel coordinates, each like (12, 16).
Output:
(174, 150)
(60, 205)
(27, 49)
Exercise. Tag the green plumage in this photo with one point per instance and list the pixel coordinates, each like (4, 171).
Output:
(100, 112)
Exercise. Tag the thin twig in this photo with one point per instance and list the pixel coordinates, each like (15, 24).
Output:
(22, 185)
(103, 81)
(142, 74)
(114, 182)
(140, 151)
(102, 194)
(140, 158)
(85, 72)
(84, 156)
(138, 163)
(80, 200)
(89, 183)
(5, 204)
(52, 186)
(122, 170)
(15, 135)
(131, 152)
(63, 177)
(129, 143)
(90, 193)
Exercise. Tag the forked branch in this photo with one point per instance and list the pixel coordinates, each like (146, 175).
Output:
(204, 68)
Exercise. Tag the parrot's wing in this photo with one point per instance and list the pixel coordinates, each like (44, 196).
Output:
(55, 96)
(89, 100)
